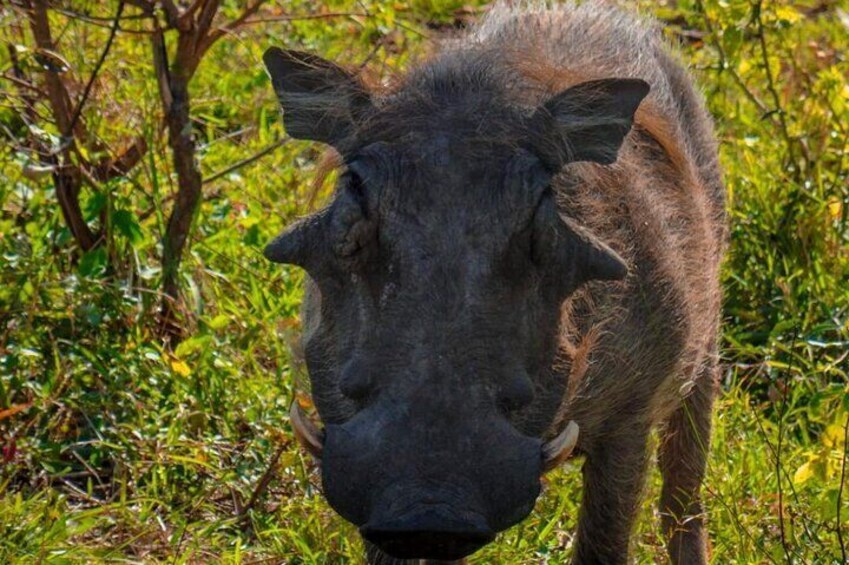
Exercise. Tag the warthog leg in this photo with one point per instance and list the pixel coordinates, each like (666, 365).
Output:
(682, 458)
(613, 482)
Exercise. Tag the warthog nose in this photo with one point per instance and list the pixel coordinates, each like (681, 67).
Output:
(430, 532)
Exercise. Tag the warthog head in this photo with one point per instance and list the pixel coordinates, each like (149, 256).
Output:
(436, 275)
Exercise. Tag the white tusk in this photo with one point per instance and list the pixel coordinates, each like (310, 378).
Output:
(556, 451)
(307, 434)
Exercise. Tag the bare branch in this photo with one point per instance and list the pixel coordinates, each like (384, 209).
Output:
(23, 83)
(160, 65)
(233, 25)
(724, 64)
(770, 80)
(57, 93)
(66, 178)
(206, 17)
(246, 161)
(97, 66)
(189, 12)
(145, 5)
(840, 490)
(263, 482)
(305, 17)
(124, 163)
(91, 18)
(172, 14)
(102, 22)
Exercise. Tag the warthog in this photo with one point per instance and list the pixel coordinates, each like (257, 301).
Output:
(520, 258)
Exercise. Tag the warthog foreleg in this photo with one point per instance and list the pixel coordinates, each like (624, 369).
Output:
(682, 458)
(613, 481)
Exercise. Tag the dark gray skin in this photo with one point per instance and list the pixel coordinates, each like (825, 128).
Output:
(464, 300)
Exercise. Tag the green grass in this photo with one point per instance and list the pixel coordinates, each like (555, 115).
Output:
(119, 450)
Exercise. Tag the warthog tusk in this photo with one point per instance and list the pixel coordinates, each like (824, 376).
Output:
(307, 434)
(556, 451)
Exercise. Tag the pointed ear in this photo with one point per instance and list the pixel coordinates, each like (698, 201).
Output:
(321, 101)
(586, 122)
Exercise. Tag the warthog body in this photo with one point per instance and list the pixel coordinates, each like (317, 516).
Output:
(504, 255)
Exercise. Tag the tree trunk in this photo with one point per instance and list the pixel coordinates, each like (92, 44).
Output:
(195, 35)
(187, 199)
(66, 177)
(68, 184)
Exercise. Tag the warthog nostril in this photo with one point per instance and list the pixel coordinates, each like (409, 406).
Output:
(429, 534)
(355, 380)
(517, 393)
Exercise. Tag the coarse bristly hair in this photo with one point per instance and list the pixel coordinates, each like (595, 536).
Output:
(521, 53)
(637, 354)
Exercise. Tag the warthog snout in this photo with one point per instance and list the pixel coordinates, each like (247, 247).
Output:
(428, 483)
(437, 488)
(429, 530)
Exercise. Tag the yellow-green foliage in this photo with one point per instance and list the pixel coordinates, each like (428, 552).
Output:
(116, 449)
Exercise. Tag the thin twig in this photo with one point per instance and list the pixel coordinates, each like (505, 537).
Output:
(99, 22)
(90, 18)
(811, 534)
(197, 241)
(770, 80)
(840, 490)
(189, 12)
(263, 481)
(100, 61)
(24, 84)
(246, 161)
(89, 469)
(779, 469)
(233, 25)
(734, 514)
(724, 64)
(778, 466)
(81, 493)
(172, 15)
(303, 17)
(146, 6)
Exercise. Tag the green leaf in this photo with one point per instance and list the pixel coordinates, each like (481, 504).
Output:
(219, 322)
(251, 236)
(126, 224)
(94, 205)
(93, 263)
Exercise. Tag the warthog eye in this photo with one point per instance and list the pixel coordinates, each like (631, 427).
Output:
(334, 239)
(352, 227)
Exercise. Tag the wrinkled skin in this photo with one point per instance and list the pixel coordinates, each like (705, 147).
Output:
(446, 279)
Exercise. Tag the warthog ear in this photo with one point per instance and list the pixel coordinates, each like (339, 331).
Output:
(321, 101)
(586, 122)
(571, 253)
